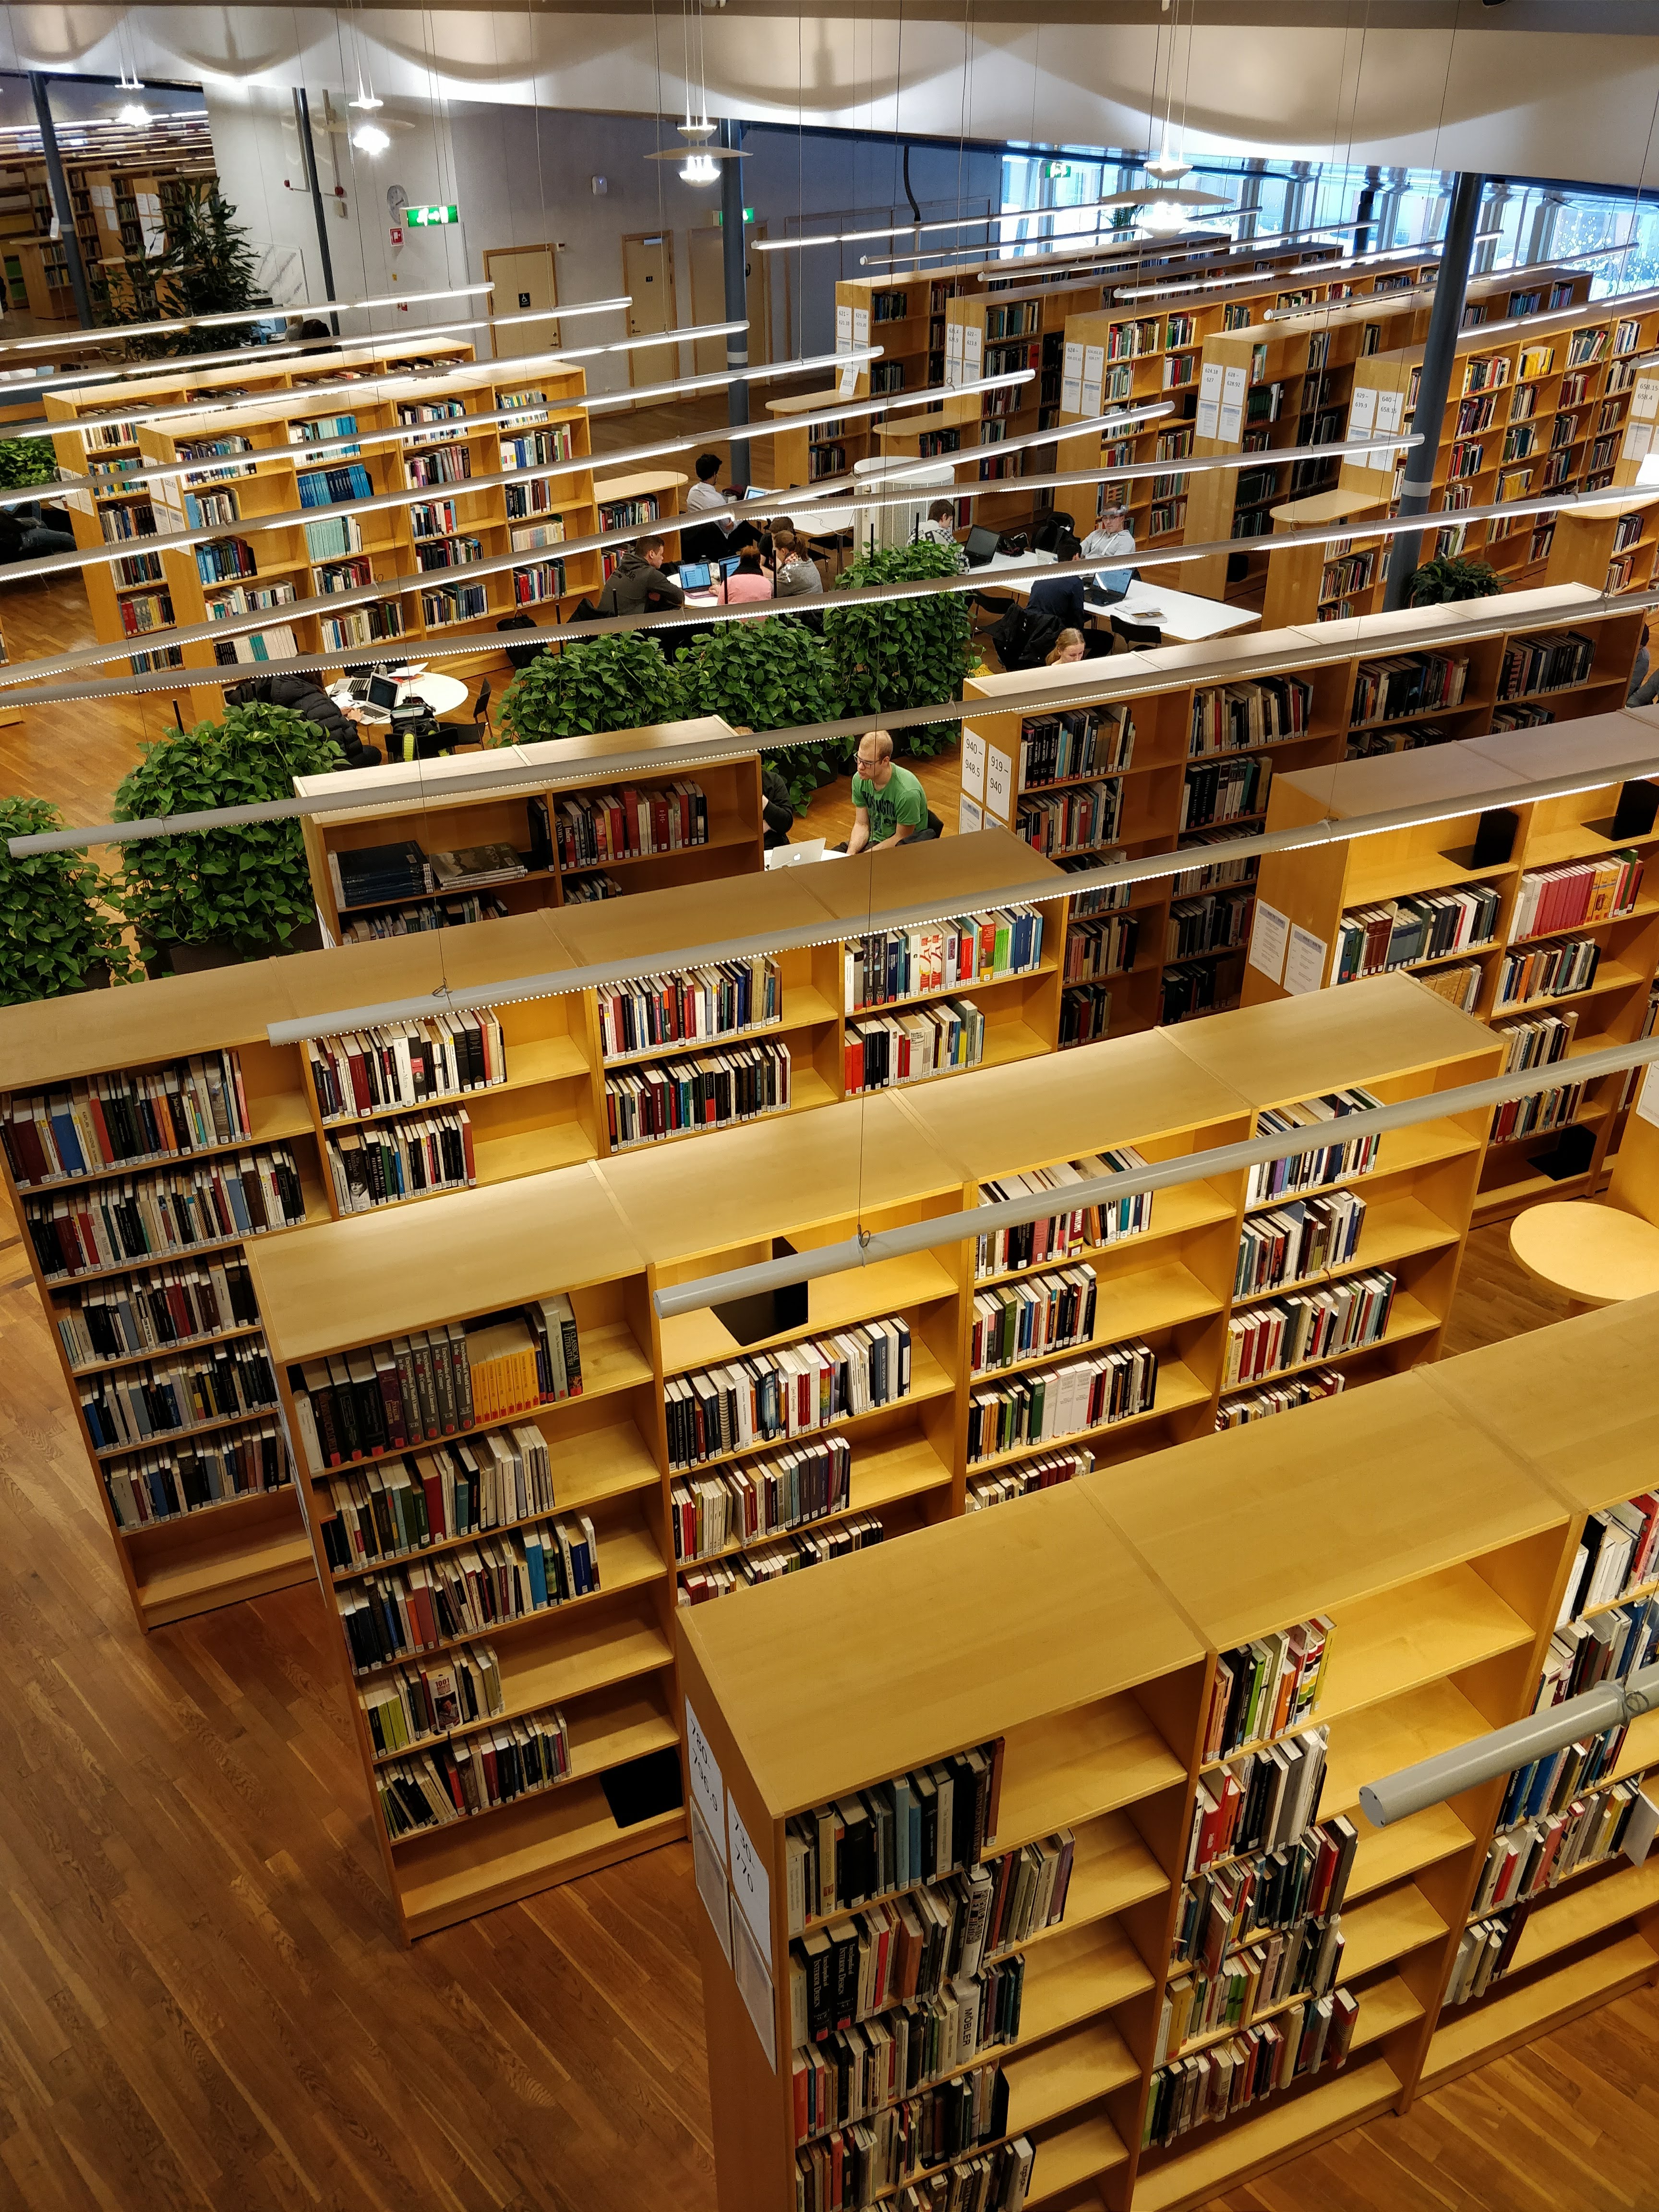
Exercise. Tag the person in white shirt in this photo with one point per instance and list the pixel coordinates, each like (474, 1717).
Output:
(1112, 539)
(713, 541)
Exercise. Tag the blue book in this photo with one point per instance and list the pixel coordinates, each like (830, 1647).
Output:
(68, 1141)
(536, 1566)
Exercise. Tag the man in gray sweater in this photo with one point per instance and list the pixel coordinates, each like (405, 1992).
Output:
(637, 586)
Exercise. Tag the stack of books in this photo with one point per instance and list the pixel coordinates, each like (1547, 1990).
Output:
(380, 875)
(1397, 932)
(472, 866)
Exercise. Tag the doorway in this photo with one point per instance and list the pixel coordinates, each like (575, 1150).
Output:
(649, 274)
(708, 297)
(525, 279)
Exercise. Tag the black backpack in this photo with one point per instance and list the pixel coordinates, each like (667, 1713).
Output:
(1024, 639)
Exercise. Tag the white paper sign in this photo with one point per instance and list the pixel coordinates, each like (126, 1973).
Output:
(1230, 427)
(1362, 410)
(1209, 383)
(973, 763)
(1073, 359)
(1644, 399)
(970, 818)
(1071, 395)
(1094, 363)
(755, 1984)
(1232, 387)
(843, 329)
(1304, 961)
(1090, 402)
(750, 1883)
(82, 502)
(1640, 1828)
(1647, 1098)
(860, 326)
(850, 381)
(1638, 440)
(953, 341)
(1269, 932)
(706, 1785)
(1390, 409)
(1207, 424)
(972, 349)
(999, 785)
(711, 1882)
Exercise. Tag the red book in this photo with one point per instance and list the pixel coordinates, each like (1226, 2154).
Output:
(466, 1147)
(29, 1156)
(432, 1488)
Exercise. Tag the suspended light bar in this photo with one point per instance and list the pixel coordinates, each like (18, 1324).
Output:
(116, 333)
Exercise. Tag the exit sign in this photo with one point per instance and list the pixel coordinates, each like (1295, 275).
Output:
(1056, 168)
(720, 217)
(426, 217)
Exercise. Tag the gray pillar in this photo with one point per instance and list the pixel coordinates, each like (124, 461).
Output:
(67, 234)
(1249, 198)
(1439, 352)
(1365, 209)
(735, 245)
(309, 156)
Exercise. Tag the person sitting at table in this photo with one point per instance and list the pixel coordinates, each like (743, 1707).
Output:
(748, 581)
(637, 586)
(713, 541)
(1112, 539)
(303, 694)
(1068, 648)
(797, 576)
(940, 528)
(1061, 597)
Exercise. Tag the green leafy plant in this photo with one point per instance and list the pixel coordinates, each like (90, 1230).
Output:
(57, 932)
(26, 461)
(769, 675)
(248, 887)
(620, 683)
(901, 653)
(206, 266)
(1447, 577)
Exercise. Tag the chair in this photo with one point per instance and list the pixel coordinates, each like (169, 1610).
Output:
(1136, 633)
(479, 731)
(1055, 524)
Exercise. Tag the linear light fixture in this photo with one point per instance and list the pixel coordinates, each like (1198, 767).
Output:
(1010, 215)
(118, 333)
(1042, 250)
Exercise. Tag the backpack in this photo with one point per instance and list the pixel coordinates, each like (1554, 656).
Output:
(1023, 640)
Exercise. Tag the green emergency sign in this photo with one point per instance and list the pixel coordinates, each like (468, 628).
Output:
(424, 217)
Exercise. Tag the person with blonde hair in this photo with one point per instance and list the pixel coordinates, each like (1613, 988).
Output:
(1067, 647)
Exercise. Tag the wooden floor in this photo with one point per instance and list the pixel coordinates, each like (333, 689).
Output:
(202, 2002)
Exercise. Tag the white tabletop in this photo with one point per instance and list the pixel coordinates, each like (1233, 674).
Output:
(443, 693)
(1181, 615)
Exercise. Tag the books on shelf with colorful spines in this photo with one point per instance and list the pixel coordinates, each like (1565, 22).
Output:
(433, 1698)
(1028, 1319)
(170, 1211)
(913, 1830)
(1310, 1325)
(942, 955)
(436, 1383)
(1322, 1163)
(138, 1405)
(1539, 1042)
(1219, 923)
(1608, 1647)
(1303, 1237)
(1238, 1900)
(648, 1103)
(1266, 1688)
(714, 1513)
(157, 1309)
(767, 1562)
(1312, 2038)
(1085, 1014)
(631, 822)
(689, 1006)
(1237, 717)
(1056, 1403)
(1257, 1977)
(1575, 892)
(327, 486)
(1083, 741)
(1410, 684)
(166, 1483)
(790, 1392)
(985, 1490)
(1232, 790)
(1273, 1398)
(1397, 932)
(410, 920)
(934, 2129)
(127, 1118)
(1550, 971)
(1260, 1801)
(1102, 947)
(406, 1063)
(464, 1487)
(1483, 1953)
(1075, 819)
(442, 464)
(886, 1050)
(1618, 1553)
(1549, 1785)
(1206, 876)
(1536, 1856)
(454, 1596)
(1061, 1236)
(460, 1777)
(392, 1162)
(1551, 662)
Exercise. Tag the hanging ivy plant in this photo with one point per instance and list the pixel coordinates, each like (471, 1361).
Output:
(57, 932)
(247, 888)
(770, 675)
(620, 683)
(901, 652)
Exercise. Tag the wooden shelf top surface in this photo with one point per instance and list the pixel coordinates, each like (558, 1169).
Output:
(637, 486)
(805, 403)
(1324, 506)
(1574, 1400)
(967, 867)
(688, 915)
(553, 761)
(1263, 1526)
(1051, 1565)
(1333, 1040)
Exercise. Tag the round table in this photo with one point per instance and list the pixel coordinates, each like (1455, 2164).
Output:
(443, 693)
(1597, 1255)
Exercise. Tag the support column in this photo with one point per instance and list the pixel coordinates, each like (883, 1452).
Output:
(1439, 351)
(735, 246)
(68, 236)
(309, 156)
(1364, 208)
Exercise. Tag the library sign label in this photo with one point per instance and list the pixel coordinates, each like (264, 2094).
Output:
(426, 218)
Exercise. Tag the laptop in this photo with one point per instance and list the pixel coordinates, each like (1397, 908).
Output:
(980, 545)
(795, 856)
(382, 692)
(1108, 594)
(696, 575)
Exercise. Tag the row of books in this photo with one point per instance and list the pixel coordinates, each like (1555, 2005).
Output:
(362, 626)
(925, 2133)
(1278, 1398)
(225, 557)
(151, 610)
(1310, 1325)
(1544, 1110)
(1235, 1900)
(395, 1160)
(327, 486)
(1525, 1860)
(405, 1063)
(1260, 1802)
(1302, 1960)
(1028, 1319)
(1406, 684)
(150, 1217)
(1186, 993)
(433, 1697)
(1551, 971)
(449, 464)
(410, 920)
(1117, 1384)
(1083, 741)
(1553, 899)
(436, 1383)
(1236, 716)
(766, 1563)
(122, 1118)
(155, 1309)
(1230, 791)
(1075, 820)
(673, 1097)
(448, 553)
(396, 1506)
(534, 448)
(689, 1005)
(1265, 1688)
(1062, 1235)
(1085, 1014)
(789, 1392)
(152, 1400)
(626, 823)
(715, 1513)
(456, 1780)
(1619, 1552)
(898, 1834)
(985, 1490)
(861, 2071)
(1543, 663)
(1484, 1951)
(1607, 1647)
(1549, 1785)
(902, 964)
(455, 1596)
(1103, 947)
(161, 1485)
(453, 603)
(1306, 1238)
(1539, 1042)
(887, 1050)
(1308, 2039)
(1321, 1162)
(1218, 923)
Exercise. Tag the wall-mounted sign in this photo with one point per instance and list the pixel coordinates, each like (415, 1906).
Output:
(424, 218)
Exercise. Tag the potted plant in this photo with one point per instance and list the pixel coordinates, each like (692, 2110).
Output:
(57, 933)
(762, 676)
(210, 898)
(901, 653)
(619, 683)
(1449, 576)
(206, 265)
(25, 461)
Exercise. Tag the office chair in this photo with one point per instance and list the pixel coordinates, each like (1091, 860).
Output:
(1136, 633)
(479, 731)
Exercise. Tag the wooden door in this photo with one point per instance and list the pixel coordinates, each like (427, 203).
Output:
(525, 278)
(649, 274)
(708, 297)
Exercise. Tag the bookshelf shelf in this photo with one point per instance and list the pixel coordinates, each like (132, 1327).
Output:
(833, 1302)
(165, 1351)
(1078, 1764)
(1278, 2131)
(1385, 1928)
(1384, 2009)
(219, 1423)
(1079, 1971)
(1401, 1639)
(1385, 1855)
(1417, 1725)
(229, 1559)
(1517, 2016)
(1074, 2154)
(1079, 2065)
(1178, 1388)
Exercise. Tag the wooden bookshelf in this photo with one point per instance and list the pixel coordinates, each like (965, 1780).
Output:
(801, 454)
(1426, 1522)
(645, 495)
(1337, 580)
(1157, 690)
(1314, 891)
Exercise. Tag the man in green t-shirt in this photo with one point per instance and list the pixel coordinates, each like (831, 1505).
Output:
(889, 805)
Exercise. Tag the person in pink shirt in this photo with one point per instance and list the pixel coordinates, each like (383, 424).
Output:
(748, 581)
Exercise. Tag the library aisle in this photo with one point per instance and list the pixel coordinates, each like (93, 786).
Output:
(200, 1958)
